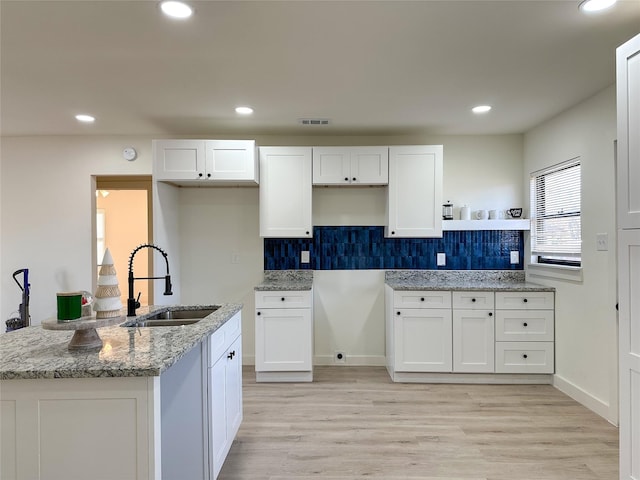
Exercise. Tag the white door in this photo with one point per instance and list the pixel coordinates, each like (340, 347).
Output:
(370, 165)
(217, 415)
(422, 340)
(331, 166)
(284, 340)
(414, 202)
(629, 345)
(473, 341)
(178, 160)
(232, 160)
(234, 388)
(285, 192)
(628, 155)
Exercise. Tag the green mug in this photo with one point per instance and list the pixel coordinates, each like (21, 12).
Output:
(69, 306)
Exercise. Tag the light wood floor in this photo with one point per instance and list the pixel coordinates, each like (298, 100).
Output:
(352, 422)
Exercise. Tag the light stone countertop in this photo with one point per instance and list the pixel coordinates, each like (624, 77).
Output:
(34, 352)
(283, 280)
(462, 280)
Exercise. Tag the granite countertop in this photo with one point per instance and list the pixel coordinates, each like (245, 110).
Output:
(34, 352)
(499, 280)
(276, 280)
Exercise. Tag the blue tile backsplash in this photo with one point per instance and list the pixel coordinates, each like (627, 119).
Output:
(359, 248)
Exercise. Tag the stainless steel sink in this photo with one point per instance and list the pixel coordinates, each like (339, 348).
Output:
(172, 317)
(178, 314)
(167, 322)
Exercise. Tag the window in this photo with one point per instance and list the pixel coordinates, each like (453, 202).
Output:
(556, 236)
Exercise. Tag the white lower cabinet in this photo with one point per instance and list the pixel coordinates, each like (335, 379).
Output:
(473, 332)
(525, 332)
(224, 392)
(284, 336)
(469, 332)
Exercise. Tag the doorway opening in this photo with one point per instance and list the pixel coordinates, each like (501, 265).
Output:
(123, 220)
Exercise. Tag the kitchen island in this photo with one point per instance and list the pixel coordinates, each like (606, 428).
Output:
(154, 402)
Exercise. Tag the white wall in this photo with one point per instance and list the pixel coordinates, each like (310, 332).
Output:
(586, 321)
(50, 231)
(47, 212)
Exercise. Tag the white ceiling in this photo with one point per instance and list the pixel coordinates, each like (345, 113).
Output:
(370, 67)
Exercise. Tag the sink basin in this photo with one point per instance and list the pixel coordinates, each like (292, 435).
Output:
(167, 322)
(172, 317)
(181, 314)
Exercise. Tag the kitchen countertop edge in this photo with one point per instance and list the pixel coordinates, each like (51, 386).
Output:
(36, 353)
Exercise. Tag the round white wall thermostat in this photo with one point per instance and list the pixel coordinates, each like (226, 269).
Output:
(129, 153)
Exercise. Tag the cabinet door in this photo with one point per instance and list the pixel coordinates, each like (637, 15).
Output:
(218, 407)
(422, 340)
(233, 384)
(414, 203)
(628, 155)
(285, 192)
(473, 341)
(629, 351)
(284, 340)
(331, 166)
(178, 159)
(231, 160)
(369, 165)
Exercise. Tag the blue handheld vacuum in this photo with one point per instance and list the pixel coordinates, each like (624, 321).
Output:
(25, 319)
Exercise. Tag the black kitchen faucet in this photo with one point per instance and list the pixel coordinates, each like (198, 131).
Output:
(133, 303)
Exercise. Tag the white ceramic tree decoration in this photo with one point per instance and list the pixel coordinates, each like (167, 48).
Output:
(107, 303)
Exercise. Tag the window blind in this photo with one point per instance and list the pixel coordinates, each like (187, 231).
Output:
(556, 223)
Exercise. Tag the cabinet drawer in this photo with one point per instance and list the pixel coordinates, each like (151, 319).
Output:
(421, 299)
(525, 300)
(524, 325)
(222, 338)
(284, 299)
(474, 300)
(524, 357)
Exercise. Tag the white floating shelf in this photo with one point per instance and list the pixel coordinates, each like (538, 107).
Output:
(511, 224)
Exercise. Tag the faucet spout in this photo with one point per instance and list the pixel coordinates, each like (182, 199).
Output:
(133, 303)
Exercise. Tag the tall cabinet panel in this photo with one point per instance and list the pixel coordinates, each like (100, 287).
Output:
(628, 88)
(628, 92)
(414, 203)
(285, 192)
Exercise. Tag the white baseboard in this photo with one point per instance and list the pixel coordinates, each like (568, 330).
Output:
(351, 360)
(581, 396)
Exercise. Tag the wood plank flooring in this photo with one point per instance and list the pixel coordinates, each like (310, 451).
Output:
(353, 422)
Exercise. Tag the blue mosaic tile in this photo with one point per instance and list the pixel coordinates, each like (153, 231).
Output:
(364, 247)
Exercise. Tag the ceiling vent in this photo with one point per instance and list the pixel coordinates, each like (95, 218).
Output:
(313, 121)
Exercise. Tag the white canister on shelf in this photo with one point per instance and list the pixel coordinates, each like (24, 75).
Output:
(465, 213)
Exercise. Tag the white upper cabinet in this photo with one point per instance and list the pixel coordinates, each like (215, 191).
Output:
(350, 165)
(628, 93)
(414, 203)
(201, 162)
(285, 192)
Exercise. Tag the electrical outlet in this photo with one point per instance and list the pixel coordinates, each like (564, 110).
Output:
(515, 257)
(602, 242)
(340, 357)
(304, 256)
(235, 258)
(441, 259)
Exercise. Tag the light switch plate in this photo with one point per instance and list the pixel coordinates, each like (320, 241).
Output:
(515, 257)
(304, 256)
(441, 259)
(602, 242)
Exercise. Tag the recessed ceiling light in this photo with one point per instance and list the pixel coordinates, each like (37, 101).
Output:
(244, 110)
(85, 118)
(481, 109)
(176, 9)
(596, 5)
